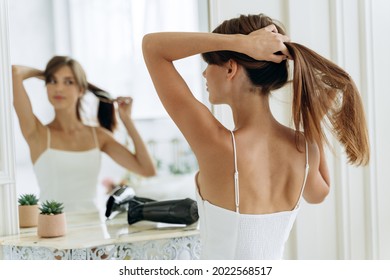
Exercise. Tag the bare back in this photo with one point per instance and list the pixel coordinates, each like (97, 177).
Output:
(271, 168)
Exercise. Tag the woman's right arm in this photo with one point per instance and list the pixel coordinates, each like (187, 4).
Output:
(318, 181)
(28, 122)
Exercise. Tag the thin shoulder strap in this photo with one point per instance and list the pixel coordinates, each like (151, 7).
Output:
(48, 137)
(236, 182)
(306, 173)
(95, 137)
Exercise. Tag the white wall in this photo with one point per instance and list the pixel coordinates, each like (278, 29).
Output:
(379, 101)
(353, 222)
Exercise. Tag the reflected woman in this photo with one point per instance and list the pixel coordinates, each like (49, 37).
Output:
(66, 153)
(251, 180)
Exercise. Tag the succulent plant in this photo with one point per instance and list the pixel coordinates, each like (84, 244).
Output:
(28, 199)
(51, 207)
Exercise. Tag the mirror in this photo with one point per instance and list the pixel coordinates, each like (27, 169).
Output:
(105, 37)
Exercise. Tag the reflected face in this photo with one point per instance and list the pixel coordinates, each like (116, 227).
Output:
(215, 80)
(63, 90)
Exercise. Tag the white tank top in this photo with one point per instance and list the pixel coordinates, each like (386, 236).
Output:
(227, 234)
(69, 177)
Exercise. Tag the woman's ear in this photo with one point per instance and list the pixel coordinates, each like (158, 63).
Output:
(232, 68)
(81, 91)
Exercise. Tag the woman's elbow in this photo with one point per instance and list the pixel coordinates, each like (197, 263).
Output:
(318, 196)
(149, 172)
(147, 44)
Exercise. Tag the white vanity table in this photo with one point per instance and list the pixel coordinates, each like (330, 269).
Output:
(91, 238)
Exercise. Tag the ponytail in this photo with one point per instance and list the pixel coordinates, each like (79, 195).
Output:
(106, 110)
(321, 89)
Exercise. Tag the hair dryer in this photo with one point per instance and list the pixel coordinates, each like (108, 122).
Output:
(119, 200)
(181, 211)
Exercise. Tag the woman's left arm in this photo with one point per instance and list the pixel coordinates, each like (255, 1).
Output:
(140, 161)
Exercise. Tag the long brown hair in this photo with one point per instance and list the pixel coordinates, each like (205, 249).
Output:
(323, 93)
(106, 111)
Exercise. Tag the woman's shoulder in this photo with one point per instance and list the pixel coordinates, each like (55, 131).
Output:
(290, 136)
(294, 142)
(103, 134)
(299, 142)
(101, 130)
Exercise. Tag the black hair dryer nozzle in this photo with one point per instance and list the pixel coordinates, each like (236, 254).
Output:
(181, 211)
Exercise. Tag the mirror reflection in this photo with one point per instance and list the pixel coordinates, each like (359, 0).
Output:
(105, 38)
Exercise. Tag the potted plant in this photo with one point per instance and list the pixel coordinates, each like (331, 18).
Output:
(28, 210)
(51, 220)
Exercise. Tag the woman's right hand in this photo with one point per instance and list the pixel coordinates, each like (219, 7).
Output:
(124, 107)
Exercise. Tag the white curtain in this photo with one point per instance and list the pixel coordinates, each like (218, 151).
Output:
(106, 37)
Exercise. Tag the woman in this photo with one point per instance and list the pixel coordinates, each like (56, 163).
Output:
(251, 180)
(66, 152)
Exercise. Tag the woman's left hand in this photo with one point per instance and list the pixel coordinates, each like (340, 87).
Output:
(124, 107)
(267, 44)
